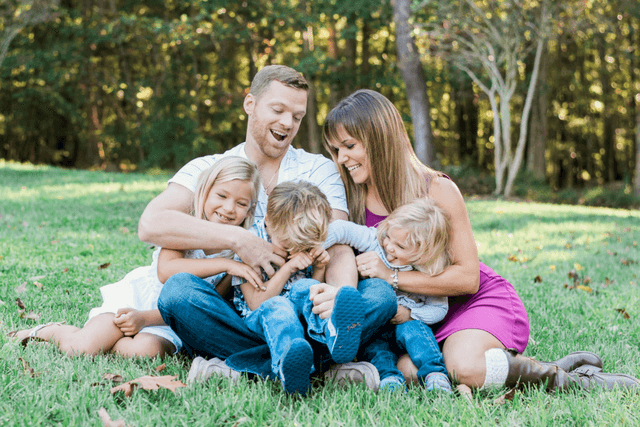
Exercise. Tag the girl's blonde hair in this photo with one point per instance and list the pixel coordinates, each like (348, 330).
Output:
(227, 169)
(428, 231)
(396, 172)
(298, 214)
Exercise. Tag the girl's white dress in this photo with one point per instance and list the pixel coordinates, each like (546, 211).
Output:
(140, 289)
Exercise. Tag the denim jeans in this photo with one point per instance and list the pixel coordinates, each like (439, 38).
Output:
(414, 337)
(210, 326)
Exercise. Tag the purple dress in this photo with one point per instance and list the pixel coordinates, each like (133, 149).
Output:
(496, 308)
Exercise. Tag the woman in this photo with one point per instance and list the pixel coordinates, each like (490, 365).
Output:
(368, 142)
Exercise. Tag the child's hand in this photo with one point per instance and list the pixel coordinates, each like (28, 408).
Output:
(403, 315)
(247, 273)
(370, 265)
(320, 257)
(129, 320)
(298, 261)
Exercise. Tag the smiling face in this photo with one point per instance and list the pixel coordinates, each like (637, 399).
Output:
(399, 249)
(274, 118)
(228, 202)
(351, 154)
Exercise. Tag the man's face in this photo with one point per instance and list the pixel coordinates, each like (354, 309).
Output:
(274, 118)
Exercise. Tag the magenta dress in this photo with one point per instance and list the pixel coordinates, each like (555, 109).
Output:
(495, 308)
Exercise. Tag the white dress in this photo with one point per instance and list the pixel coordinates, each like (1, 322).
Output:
(140, 290)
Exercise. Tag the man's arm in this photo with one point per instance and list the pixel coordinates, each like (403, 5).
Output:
(166, 222)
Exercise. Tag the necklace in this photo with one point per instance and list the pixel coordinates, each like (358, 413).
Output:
(266, 187)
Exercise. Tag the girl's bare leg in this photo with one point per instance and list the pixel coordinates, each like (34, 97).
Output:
(463, 353)
(97, 336)
(143, 345)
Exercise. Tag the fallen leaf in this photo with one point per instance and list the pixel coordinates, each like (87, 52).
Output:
(107, 421)
(537, 279)
(124, 230)
(567, 246)
(577, 266)
(611, 253)
(583, 288)
(624, 313)
(103, 266)
(552, 267)
(513, 258)
(38, 285)
(112, 377)
(54, 242)
(149, 383)
(20, 304)
(161, 368)
(507, 396)
(27, 369)
(572, 274)
(66, 270)
(586, 280)
(23, 287)
(31, 315)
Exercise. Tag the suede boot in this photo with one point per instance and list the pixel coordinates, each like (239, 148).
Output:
(527, 371)
(576, 359)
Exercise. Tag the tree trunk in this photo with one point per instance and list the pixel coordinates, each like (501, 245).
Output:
(414, 79)
(536, 163)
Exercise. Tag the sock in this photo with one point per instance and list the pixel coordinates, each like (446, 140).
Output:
(497, 368)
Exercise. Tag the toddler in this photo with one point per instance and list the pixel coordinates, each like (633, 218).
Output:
(297, 220)
(415, 236)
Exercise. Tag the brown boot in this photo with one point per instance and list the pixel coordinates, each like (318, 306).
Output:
(576, 359)
(527, 371)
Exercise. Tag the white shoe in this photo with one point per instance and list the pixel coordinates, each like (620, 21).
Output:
(356, 372)
(202, 369)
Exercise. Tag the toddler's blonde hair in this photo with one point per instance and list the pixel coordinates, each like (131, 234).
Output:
(298, 214)
(428, 227)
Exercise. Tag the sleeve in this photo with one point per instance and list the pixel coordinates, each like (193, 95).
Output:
(326, 176)
(430, 311)
(359, 237)
(188, 175)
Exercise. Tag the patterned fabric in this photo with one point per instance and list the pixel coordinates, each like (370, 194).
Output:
(297, 165)
(238, 298)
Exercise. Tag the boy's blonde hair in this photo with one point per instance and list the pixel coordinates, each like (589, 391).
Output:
(298, 214)
(227, 169)
(428, 228)
(395, 171)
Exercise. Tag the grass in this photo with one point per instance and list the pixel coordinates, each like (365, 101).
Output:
(61, 228)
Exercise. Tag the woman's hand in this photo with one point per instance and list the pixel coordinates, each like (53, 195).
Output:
(247, 273)
(403, 315)
(370, 265)
(130, 321)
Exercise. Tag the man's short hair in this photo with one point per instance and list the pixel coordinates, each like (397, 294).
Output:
(298, 214)
(281, 73)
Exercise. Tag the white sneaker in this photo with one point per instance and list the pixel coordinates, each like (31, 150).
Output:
(202, 369)
(356, 372)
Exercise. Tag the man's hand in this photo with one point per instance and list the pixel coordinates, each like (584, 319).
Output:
(130, 321)
(323, 297)
(403, 315)
(258, 253)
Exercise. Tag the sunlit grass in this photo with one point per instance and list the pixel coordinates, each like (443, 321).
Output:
(64, 226)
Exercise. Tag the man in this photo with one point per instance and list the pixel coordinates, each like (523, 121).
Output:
(207, 324)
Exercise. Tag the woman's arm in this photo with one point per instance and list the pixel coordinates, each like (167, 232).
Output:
(463, 275)
(172, 261)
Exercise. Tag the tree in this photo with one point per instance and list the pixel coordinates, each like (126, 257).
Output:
(490, 41)
(414, 79)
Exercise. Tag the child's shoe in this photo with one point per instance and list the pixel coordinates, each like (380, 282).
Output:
(295, 367)
(393, 384)
(345, 325)
(438, 381)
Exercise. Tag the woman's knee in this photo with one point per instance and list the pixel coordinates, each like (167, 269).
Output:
(467, 368)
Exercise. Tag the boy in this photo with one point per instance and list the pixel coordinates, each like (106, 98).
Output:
(297, 220)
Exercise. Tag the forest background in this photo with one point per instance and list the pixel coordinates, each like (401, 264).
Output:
(123, 85)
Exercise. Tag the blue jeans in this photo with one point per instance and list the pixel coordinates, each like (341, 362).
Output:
(210, 326)
(414, 337)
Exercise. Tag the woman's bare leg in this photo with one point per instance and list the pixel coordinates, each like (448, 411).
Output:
(463, 353)
(143, 345)
(97, 336)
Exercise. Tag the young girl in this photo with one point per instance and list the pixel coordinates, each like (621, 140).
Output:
(128, 322)
(414, 236)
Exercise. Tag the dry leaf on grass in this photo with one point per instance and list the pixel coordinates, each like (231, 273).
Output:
(624, 313)
(160, 368)
(149, 383)
(27, 369)
(107, 421)
(507, 396)
(114, 378)
(103, 266)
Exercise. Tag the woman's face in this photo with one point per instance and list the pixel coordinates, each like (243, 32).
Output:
(351, 154)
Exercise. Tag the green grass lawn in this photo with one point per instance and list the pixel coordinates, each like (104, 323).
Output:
(70, 232)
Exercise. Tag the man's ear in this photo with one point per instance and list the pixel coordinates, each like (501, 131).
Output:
(249, 103)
